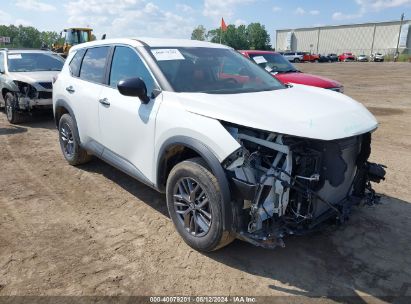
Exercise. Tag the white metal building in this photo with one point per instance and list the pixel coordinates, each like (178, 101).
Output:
(362, 38)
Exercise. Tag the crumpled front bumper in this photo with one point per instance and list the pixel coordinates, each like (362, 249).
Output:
(27, 103)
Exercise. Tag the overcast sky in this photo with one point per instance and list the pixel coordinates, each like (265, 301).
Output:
(167, 18)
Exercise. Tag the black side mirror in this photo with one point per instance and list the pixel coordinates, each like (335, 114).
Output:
(134, 87)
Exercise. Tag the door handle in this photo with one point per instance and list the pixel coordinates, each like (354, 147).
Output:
(70, 89)
(104, 101)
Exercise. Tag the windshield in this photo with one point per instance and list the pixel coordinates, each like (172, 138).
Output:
(212, 70)
(273, 63)
(34, 62)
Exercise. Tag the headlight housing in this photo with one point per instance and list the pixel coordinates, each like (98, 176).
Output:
(25, 88)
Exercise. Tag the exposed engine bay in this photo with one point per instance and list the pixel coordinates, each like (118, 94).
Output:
(290, 185)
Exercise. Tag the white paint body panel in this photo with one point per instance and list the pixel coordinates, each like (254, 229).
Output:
(127, 128)
(302, 111)
(174, 120)
(84, 102)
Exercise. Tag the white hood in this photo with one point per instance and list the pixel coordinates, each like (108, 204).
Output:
(33, 77)
(302, 111)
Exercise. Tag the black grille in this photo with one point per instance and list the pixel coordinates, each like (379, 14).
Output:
(46, 85)
(45, 95)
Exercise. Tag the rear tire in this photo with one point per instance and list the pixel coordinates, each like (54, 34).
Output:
(195, 204)
(296, 60)
(12, 114)
(69, 143)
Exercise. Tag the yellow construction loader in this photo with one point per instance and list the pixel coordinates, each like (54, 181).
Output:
(72, 36)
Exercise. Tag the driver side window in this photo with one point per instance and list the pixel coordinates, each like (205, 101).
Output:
(127, 64)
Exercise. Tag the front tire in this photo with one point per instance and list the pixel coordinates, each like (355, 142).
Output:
(195, 204)
(70, 146)
(12, 114)
(296, 60)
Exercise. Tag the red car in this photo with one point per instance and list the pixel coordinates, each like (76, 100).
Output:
(311, 57)
(346, 57)
(284, 71)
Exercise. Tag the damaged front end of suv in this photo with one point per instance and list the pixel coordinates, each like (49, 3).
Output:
(26, 81)
(286, 185)
(32, 95)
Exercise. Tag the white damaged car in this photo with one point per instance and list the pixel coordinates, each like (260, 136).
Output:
(237, 153)
(26, 81)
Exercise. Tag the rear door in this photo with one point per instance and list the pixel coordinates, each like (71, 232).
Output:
(127, 126)
(84, 88)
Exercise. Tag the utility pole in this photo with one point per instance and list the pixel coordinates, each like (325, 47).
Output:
(373, 39)
(318, 38)
(398, 41)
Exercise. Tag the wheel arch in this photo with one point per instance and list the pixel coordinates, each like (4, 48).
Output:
(179, 148)
(61, 107)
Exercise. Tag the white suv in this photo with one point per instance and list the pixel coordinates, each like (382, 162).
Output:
(294, 56)
(238, 154)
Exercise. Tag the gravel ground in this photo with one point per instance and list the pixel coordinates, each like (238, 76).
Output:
(92, 230)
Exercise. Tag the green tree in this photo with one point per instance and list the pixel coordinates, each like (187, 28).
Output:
(258, 37)
(199, 33)
(48, 38)
(214, 35)
(27, 36)
(254, 36)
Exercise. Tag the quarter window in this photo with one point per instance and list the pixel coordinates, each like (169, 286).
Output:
(75, 63)
(127, 64)
(94, 63)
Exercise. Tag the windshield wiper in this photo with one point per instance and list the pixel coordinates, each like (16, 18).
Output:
(46, 70)
(288, 71)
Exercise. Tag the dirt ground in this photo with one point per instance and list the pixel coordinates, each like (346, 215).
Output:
(92, 230)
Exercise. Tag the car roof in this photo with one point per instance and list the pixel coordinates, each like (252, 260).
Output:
(152, 42)
(19, 51)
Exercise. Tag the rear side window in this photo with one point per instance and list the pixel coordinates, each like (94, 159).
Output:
(75, 63)
(127, 64)
(1, 62)
(94, 63)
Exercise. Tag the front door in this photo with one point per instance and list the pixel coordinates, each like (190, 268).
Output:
(127, 126)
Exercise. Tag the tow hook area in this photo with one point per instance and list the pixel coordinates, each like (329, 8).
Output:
(375, 173)
(267, 242)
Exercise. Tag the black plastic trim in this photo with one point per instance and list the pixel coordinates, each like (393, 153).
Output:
(149, 58)
(117, 161)
(214, 165)
(62, 103)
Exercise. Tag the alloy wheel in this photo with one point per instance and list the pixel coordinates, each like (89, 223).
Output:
(192, 205)
(67, 139)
